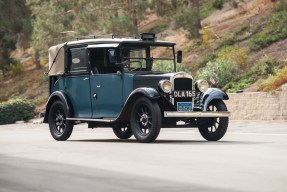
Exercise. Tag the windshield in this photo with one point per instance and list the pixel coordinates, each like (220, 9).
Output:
(148, 58)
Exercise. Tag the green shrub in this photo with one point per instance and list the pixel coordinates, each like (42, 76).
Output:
(218, 4)
(163, 66)
(158, 27)
(234, 4)
(222, 71)
(44, 79)
(16, 110)
(239, 55)
(16, 69)
(275, 31)
(265, 66)
(207, 58)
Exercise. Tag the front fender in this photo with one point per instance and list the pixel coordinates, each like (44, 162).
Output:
(57, 95)
(213, 94)
(148, 92)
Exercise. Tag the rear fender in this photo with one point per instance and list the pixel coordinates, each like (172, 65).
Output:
(55, 96)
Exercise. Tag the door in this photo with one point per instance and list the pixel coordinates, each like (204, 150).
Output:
(107, 95)
(106, 83)
(77, 83)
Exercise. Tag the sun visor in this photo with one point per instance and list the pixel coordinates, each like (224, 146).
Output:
(56, 52)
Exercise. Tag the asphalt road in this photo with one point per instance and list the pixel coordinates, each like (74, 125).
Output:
(251, 157)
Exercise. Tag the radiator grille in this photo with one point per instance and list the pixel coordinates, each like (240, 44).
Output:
(182, 84)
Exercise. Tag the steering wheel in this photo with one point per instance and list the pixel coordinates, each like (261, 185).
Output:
(137, 68)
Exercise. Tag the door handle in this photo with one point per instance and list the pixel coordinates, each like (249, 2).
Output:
(95, 96)
(85, 78)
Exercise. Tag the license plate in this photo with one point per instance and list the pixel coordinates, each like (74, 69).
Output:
(184, 106)
(182, 94)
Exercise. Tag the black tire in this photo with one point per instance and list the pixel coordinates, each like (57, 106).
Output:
(60, 129)
(146, 120)
(123, 132)
(214, 128)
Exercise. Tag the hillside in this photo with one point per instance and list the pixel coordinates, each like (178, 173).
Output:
(242, 47)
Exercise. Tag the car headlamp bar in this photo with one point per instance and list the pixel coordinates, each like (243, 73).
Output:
(148, 36)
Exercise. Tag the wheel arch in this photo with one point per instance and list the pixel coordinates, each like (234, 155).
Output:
(213, 94)
(58, 96)
(147, 92)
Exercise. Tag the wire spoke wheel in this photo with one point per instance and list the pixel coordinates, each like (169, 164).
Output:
(145, 120)
(60, 128)
(123, 131)
(60, 121)
(214, 128)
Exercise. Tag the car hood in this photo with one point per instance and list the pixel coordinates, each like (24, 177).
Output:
(150, 79)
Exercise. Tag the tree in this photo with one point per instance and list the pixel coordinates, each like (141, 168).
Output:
(190, 18)
(14, 23)
(197, 21)
(49, 21)
(133, 15)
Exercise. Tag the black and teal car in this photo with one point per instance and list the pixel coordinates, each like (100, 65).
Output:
(130, 85)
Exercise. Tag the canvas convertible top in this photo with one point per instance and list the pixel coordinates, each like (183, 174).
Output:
(57, 52)
(56, 60)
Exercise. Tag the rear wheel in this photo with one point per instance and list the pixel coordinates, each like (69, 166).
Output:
(214, 128)
(60, 128)
(146, 120)
(123, 132)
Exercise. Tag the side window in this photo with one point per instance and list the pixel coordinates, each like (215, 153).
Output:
(78, 63)
(112, 55)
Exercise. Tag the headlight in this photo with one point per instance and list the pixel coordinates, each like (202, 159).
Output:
(202, 85)
(165, 86)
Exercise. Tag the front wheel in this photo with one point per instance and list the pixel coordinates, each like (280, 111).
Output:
(214, 128)
(146, 120)
(60, 128)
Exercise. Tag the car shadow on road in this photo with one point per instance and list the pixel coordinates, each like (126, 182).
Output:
(201, 142)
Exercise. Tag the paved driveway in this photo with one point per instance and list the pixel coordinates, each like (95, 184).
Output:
(251, 157)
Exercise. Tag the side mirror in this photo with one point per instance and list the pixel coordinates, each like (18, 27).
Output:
(179, 57)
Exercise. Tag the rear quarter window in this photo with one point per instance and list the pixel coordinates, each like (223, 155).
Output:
(78, 63)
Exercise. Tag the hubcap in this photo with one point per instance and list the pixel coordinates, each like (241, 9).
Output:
(60, 123)
(144, 120)
(59, 120)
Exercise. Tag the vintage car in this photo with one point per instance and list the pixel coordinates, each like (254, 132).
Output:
(130, 85)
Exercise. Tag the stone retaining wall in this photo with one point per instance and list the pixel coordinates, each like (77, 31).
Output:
(258, 105)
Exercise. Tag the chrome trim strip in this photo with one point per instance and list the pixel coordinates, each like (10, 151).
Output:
(196, 114)
(96, 120)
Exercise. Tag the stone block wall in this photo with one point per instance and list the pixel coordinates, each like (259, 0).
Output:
(258, 105)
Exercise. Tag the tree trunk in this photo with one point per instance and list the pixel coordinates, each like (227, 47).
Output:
(37, 60)
(133, 15)
(198, 26)
(174, 4)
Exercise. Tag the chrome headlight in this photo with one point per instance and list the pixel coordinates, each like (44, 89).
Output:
(202, 85)
(165, 86)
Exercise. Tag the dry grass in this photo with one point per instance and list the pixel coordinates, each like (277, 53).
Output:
(276, 81)
(26, 85)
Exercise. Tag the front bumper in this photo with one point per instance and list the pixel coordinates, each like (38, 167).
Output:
(196, 114)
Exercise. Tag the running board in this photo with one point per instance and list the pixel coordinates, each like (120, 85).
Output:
(196, 114)
(94, 120)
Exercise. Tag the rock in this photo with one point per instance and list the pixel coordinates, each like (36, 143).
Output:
(284, 87)
(19, 122)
